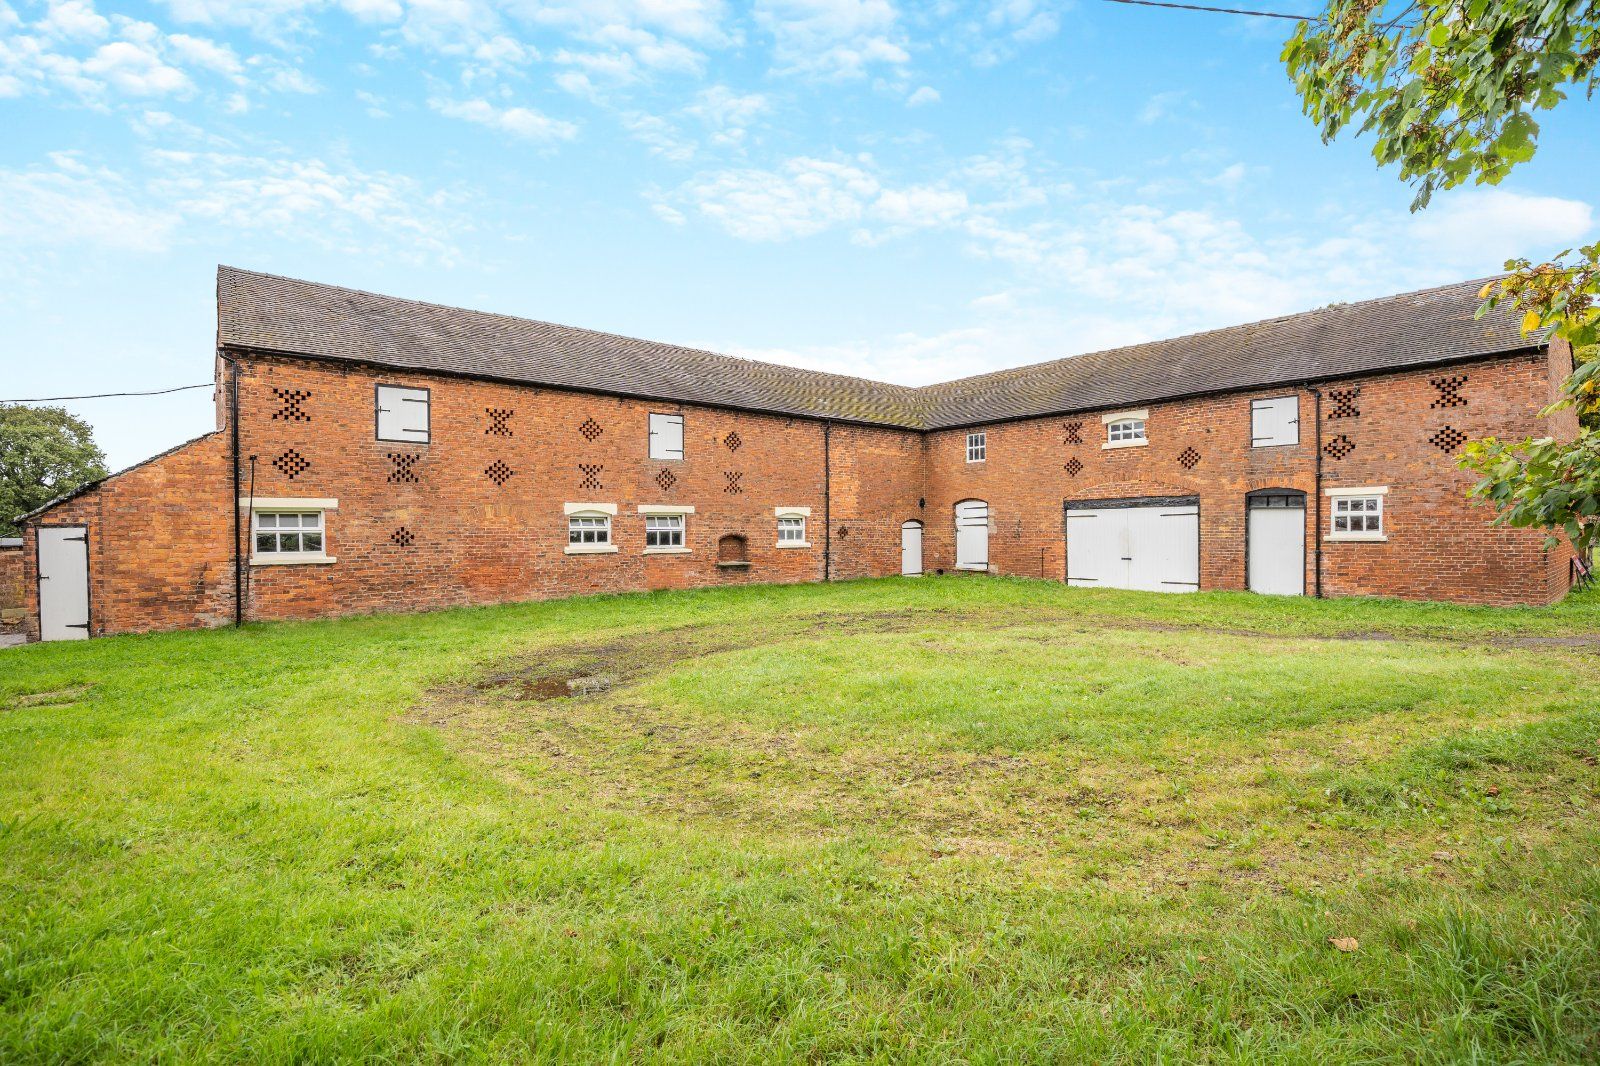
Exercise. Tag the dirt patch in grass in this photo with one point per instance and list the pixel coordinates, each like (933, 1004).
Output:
(58, 697)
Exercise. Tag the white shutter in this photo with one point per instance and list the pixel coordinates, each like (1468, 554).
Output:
(666, 436)
(402, 414)
(1275, 422)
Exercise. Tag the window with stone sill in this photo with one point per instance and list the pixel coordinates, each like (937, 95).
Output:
(285, 536)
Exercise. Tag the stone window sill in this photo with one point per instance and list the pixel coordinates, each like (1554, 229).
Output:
(795, 544)
(668, 551)
(292, 560)
(590, 549)
(1354, 538)
(1110, 444)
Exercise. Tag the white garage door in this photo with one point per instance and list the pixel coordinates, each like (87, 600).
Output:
(1151, 545)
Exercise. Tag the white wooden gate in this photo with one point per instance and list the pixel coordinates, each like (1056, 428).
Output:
(972, 535)
(911, 548)
(63, 583)
(1151, 545)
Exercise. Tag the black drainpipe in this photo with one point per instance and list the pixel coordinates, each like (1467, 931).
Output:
(1316, 505)
(233, 434)
(827, 500)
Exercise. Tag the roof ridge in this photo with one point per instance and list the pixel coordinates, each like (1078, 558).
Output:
(561, 325)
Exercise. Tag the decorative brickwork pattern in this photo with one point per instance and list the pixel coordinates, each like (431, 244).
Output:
(733, 477)
(499, 422)
(1449, 391)
(1073, 467)
(733, 440)
(402, 537)
(1345, 402)
(291, 401)
(1339, 447)
(291, 464)
(498, 472)
(405, 468)
(590, 475)
(666, 479)
(1448, 440)
(1074, 432)
(1188, 458)
(590, 429)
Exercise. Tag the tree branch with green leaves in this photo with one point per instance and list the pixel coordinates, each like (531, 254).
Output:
(1448, 89)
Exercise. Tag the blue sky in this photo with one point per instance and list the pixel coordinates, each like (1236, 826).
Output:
(911, 192)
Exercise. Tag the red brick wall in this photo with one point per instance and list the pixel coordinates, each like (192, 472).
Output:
(1440, 546)
(477, 542)
(159, 539)
(877, 485)
(11, 582)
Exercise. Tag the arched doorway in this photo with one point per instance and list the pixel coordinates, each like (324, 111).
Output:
(911, 548)
(972, 535)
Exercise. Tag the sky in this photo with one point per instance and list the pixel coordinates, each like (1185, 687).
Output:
(909, 192)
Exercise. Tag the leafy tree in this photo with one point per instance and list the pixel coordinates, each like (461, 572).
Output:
(1449, 90)
(44, 453)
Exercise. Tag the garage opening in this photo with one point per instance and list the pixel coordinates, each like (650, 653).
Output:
(1275, 542)
(1149, 543)
(972, 535)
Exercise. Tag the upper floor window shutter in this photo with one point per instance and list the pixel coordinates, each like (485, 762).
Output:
(1275, 422)
(666, 436)
(403, 414)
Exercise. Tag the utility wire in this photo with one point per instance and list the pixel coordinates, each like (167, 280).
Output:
(110, 395)
(1219, 10)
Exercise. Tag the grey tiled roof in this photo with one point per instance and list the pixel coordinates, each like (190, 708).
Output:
(269, 313)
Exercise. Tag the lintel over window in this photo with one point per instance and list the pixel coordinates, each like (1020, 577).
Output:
(402, 414)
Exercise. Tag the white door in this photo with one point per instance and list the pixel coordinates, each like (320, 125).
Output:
(1154, 548)
(63, 583)
(972, 535)
(911, 549)
(1277, 562)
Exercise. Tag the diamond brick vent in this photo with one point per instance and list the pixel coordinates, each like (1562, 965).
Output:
(1448, 440)
(1073, 467)
(1339, 447)
(733, 477)
(498, 472)
(291, 464)
(402, 537)
(733, 440)
(1074, 432)
(1188, 458)
(666, 479)
(590, 429)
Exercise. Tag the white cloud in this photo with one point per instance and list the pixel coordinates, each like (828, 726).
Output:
(73, 20)
(1499, 224)
(804, 197)
(996, 33)
(135, 69)
(70, 204)
(923, 96)
(1165, 105)
(833, 39)
(207, 54)
(522, 122)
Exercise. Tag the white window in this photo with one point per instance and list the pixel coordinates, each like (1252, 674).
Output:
(1356, 514)
(1275, 422)
(663, 532)
(589, 528)
(288, 537)
(402, 414)
(1125, 429)
(666, 436)
(791, 532)
(977, 447)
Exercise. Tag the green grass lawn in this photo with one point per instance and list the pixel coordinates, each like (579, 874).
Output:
(938, 819)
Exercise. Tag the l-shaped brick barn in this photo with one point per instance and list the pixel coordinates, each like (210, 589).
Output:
(381, 454)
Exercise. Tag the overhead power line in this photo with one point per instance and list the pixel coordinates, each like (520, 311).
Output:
(110, 395)
(1219, 10)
